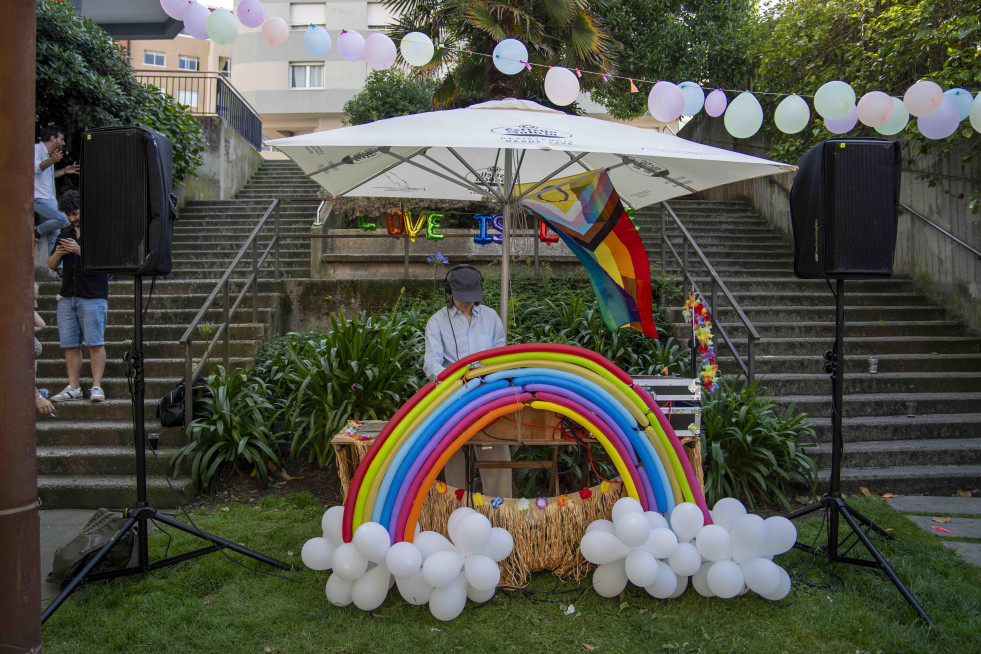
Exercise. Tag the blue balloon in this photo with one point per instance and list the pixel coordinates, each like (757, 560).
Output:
(509, 56)
(962, 98)
(694, 98)
(316, 41)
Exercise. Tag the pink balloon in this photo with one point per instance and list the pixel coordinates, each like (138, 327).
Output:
(666, 102)
(250, 13)
(843, 125)
(561, 86)
(923, 98)
(350, 45)
(379, 51)
(875, 108)
(275, 31)
(176, 8)
(941, 123)
(195, 21)
(715, 103)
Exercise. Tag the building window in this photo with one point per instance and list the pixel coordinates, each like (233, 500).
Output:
(306, 76)
(185, 62)
(305, 14)
(378, 17)
(151, 58)
(224, 66)
(188, 98)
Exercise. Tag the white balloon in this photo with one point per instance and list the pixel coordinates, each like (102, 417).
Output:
(744, 116)
(417, 49)
(441, 568)
(414, 589)
(656, 520)
(455, 519)
(748, 533)
(726, 510)
(681, 587)
(447, 603)
(714, 543)
(686, 520)
(602, 525)
(348, 562)
(472, 533)
(662, 543)
(316, 554)
(403, 559)
(499, 545)
(975, 114)
(602, 547)
(665, 583)
(625, 505)
(370, 591)
(332, 524)
(561, 86)
(686, 561)
(338, 590)
(641, 568)
(792, 114)
(699, 580)
(372, 541)
(725, 579)
(482, 573)
(431, 541)
(633, 529)
(762, 575)
(480, 596)
(783, 590)
(834, 100)
(781, 534)
(610, 579)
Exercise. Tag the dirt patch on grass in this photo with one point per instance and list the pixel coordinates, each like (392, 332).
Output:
(298, 476)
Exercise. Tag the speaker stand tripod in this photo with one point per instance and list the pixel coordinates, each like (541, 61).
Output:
(138, 517)
(832, 503)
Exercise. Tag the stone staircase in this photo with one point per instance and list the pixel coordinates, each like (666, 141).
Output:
(913, 426)
(86, 454)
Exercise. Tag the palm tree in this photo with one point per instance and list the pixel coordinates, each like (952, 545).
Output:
(565, 33)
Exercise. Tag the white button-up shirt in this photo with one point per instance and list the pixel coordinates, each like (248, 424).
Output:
(449, 337)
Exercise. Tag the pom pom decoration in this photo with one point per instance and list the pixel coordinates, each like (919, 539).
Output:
(417, 49)
(176, 8)
(961, 98)
(316, 40)
(196, 21)
(923, 98)
(350, 45)
(275, 31)
(509, 56)
(834, 100)
(941, 123)
(715, 103)
(250, 13)
(379, 51)
(897, 122)
(666, 101)
(842, 125)
(694, 98)
(221, 26)
(744, 116)
(875, 108)
(561, 86)
(792, 114)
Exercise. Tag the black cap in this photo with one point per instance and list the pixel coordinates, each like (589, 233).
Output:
(465, 285)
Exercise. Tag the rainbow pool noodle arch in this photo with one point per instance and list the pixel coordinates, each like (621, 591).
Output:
(393, 480)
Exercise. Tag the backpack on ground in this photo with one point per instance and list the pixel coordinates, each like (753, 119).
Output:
(170, 408)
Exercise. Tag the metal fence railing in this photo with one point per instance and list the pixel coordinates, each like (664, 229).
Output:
(209, 94)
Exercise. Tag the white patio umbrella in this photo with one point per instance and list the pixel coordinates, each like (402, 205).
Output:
(488, 149)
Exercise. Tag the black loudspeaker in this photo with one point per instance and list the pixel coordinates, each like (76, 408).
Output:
(126, 210)
(844, 208)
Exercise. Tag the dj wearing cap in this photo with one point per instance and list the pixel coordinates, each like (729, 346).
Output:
(465, 326)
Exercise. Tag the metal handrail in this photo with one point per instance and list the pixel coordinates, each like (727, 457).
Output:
(748, 365)
(190, 370)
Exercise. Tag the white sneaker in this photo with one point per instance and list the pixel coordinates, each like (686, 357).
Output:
(96, 394)
(68, 393)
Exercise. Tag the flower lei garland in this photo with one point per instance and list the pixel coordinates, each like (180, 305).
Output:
(697, 314)
(524, 503)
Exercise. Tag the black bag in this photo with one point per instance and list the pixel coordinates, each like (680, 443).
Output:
(170, 408)
(69, 559)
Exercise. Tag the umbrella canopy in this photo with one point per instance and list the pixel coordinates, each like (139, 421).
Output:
(460, 154)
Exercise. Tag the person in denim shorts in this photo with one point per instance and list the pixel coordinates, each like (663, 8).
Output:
(82, 308)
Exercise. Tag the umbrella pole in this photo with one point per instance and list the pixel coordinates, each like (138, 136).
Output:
(506, 239)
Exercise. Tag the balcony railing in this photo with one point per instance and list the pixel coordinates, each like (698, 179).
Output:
(209, 94)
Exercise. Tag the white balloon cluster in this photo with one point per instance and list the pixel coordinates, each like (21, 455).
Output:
(431, 569)
(724, 559)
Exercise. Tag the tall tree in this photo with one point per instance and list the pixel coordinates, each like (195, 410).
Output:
(389, 93)
(566, 33)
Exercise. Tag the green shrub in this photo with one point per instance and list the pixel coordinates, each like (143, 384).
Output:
(749, 451)
(235, 435)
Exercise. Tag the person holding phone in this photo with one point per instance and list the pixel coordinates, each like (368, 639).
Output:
(82, 308)
(49, 151)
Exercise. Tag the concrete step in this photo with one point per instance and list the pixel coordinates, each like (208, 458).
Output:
(158, 382)
(892, 453)
(866, 329)
(914, 479)
(941, 426)
(861, 347)
(110, 491)
(52, 366)
(113, 410)
(163, 335)
(78, 460)
(161, 301)
(58, 434)
(173, 316)
(894, 363)
(883, 404)
(763, 298)
(858, 314)
(864, 383)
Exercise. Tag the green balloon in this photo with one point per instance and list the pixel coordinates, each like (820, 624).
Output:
(897, 122)
(222, 26)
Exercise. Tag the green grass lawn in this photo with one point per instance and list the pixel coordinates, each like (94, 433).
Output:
(212, 605)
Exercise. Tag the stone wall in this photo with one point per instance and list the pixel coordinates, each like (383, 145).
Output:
(229, 162)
